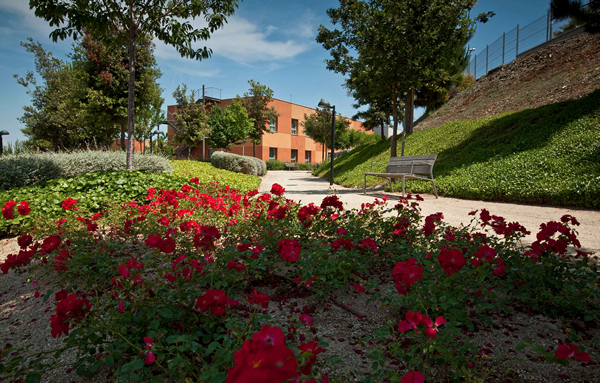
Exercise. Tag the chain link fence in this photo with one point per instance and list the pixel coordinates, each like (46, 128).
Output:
(517, 41)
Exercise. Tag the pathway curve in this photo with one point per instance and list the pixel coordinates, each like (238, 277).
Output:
(303, 187)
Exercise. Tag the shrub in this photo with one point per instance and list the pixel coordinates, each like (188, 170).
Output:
(207, 173)
(239, 164)
(28, 168)
(275, 165)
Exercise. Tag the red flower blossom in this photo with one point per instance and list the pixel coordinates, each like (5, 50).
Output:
(234, 265)
(51, 243)
(167, 245)
(265, 359)
(7, 210)
(69, 308)
(342, 242)
(566, 351)
(164, 221)
(215, 300)
(277, 190)
(432, 329)
(451, 260)
(306, 319)
(23, 208)
(205, 239)
(259, 298)
(69, 203)
(413, 377)
(406, 274)
(313, 349)
(359, 289)
(413, 319)
(306, 213)
(430, 222)
(368, 244)
(24, 240)
(289, 249)
(332, 201)
(153, 240)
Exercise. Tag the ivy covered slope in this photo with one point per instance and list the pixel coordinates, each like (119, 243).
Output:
(547, 155)
(96, 191)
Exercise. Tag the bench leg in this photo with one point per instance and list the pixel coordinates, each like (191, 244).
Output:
(391, 187)
(434, 189)
(365, 186)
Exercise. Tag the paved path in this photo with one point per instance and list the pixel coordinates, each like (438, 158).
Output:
(303, 186)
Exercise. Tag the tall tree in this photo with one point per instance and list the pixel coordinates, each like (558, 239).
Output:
(588, 13)
(106, 77)
(374, 117)
(52, 121)
(126, 22)
(402, 44)
(229, 125)
(191, 118)
(317, 126)
(256, 101)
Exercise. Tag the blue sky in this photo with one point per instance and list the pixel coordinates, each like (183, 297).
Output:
(270, 41)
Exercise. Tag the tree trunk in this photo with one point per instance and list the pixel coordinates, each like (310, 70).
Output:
(409, 112)
(393, 151)
(123, 128)
(253, 149)
(131, 104)
(323, 154)
(382, 135)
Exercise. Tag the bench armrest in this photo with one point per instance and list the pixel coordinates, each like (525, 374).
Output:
(374, 164)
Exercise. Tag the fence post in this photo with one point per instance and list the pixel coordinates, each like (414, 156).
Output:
(551, 23)
(517, 39)
(487, 56)
(503, 45)
(475, 67)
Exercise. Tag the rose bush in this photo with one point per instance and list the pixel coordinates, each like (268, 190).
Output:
(169, 287)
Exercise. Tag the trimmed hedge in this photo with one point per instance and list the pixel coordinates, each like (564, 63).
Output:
(548, 155)
(207, 173)
(280, 165)
(239, 164)
(27, 168)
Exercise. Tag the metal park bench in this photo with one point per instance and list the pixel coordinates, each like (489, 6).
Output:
(290, 165)
(411, 167)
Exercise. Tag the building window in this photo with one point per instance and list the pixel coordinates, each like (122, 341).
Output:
(272, 153)
(273, 125)
(294, 155)
(294, 127)
(307, 157)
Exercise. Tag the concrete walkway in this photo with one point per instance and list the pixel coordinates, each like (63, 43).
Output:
(303, 187)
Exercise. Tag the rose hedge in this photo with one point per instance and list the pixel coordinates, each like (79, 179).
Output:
(169, 288)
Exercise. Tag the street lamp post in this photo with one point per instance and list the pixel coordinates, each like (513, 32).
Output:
(325, 104)
(2, 133)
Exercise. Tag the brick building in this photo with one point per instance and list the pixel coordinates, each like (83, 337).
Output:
(286, 142)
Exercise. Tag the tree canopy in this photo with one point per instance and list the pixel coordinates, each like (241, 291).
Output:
(191, 118)
(126, 22)
(397, 45)
(256, 101)
(317, 126)
(588, 13)
(229, 125)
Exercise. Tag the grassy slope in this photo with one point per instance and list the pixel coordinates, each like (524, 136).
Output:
(548, 155)
(207, 173)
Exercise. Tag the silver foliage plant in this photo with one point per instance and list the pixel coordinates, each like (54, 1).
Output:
(239, 164)
(27, 168)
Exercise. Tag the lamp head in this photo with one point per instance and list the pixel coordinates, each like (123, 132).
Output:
(472, 49)
(4, 133)
(324, 104)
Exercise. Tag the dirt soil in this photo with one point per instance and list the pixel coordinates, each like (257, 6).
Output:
(562, 71)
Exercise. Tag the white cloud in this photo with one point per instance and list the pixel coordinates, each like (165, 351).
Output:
(26, 19)
(199, 73)
(243, 42)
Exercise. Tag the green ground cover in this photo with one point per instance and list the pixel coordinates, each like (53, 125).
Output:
(206, 173)
(548, 155)
(96, 191)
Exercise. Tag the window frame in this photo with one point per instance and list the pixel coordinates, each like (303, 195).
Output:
(292, 155)
(273, 125)
(294, 133)
(307, 152)
(275, 151)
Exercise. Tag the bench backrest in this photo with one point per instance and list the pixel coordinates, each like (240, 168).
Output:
(422, 164)
(292, 164)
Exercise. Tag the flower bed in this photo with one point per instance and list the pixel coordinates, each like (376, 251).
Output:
(206, 284)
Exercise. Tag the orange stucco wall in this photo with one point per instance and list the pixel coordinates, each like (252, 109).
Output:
(282, 140)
